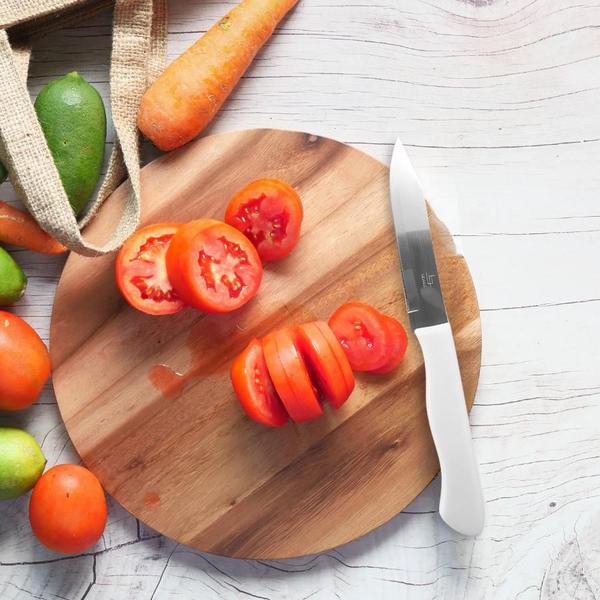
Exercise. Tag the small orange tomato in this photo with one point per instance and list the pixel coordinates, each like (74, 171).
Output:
(24, 363)
(67, 509)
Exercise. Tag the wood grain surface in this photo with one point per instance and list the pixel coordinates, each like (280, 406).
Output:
(498, 102)
(148, 402)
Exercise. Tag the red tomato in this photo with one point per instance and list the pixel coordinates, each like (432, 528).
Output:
(67, 509)
(254, 387)
(141, 271)
(269, 213)
(290, 376)
(363, 334)
(398, 345)
(212, 266)
(323, 363)
(24, 363)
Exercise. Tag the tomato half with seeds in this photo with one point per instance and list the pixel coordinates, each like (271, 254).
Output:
(254, 388)
(290, 376)
(212, 266)
(363, 334)
(269, 213)
(141, 272)
(330, 374)
(398, 345)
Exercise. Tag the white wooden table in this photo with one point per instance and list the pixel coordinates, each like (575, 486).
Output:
(499, 104)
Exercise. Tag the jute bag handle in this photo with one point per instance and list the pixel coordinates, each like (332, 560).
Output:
(139, 41)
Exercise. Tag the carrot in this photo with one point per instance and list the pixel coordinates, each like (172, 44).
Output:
(188, 94)
(19, 229)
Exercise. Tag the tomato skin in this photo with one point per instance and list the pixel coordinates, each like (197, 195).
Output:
(398, 345)
(142, 281)
(24, 363)
(290, 376)
(67, 509)
(213, 267)
(261, 405)
(323, 364)
(363, 334)
(269, 212)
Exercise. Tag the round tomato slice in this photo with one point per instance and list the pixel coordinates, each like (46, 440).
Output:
(398, 344)
(212, 266)
(363, 334)
(339, 354)
(290, 376)
(254, 388)
(141, 272)
(269, 213)
(323, 364)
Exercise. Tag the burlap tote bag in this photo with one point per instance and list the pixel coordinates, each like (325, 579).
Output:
(138, 50)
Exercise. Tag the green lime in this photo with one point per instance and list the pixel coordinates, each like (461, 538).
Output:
(12, 279)
(72, 116)
(21, 462)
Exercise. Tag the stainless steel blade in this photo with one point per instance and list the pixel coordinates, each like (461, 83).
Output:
(413, 237)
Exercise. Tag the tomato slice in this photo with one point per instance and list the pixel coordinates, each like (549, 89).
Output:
(323, 364)
(290, 376)
(141, 271)
(254, 388)
(339, 354)
(398, 345)
(213, 267)
(269, 213)
(363, 334)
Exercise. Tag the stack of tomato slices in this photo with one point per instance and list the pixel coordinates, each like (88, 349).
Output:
(291, 372)
(206, 264)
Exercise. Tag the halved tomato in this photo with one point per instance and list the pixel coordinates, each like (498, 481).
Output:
(363, 334)
(269, 213)
(290, 376)
(323, 363)
(141, 272)
(212, 266)
(254, 388)
(398, 344)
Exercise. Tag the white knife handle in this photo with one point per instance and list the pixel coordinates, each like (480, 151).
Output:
(461, 498)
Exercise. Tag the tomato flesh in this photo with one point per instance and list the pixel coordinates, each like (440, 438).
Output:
(213, 267)
(254, 388)
(290, 376)
(398, 345)
(141, 271)
(269, 213)
(323, 364)
(362, 333)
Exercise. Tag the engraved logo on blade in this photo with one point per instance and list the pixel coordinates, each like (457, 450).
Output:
(427, 279)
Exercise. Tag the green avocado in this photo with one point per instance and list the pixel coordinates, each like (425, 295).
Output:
(72, 116)
(12, 279)
(3, 173)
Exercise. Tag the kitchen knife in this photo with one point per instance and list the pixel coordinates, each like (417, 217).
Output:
(461, 498)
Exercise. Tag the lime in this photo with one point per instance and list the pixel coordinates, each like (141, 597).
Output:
(21, 462)
(12, 279)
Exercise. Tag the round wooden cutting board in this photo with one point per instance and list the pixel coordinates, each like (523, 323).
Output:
(147, 400)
